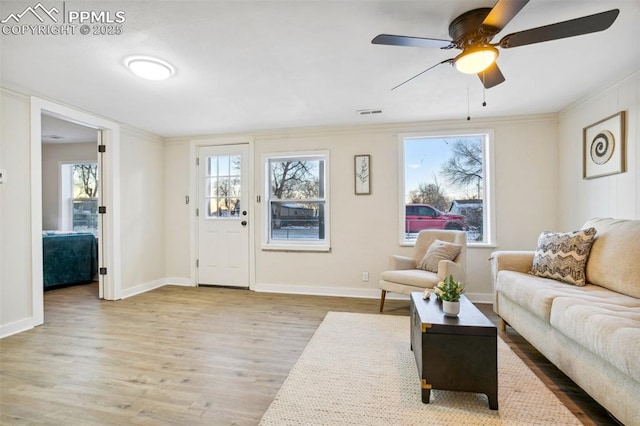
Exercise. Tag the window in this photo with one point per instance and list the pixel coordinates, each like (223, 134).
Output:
(446, 185)
(298, 201)
(80, 197)
(223, 180)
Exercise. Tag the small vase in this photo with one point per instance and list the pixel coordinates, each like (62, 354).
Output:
(451, 309)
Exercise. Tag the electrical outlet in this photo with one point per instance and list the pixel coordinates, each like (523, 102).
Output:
(365, 276)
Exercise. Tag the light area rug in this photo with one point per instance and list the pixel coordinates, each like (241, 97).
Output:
(358, 369)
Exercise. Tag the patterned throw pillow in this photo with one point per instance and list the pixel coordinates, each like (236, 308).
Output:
(563, 256)
(437, 251)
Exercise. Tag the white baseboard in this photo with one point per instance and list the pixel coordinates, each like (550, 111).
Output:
(480, 297)
(363, 293)
(152, 285)
(182, 281)
(16, 327)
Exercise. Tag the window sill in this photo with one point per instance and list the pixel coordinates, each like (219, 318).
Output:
(482, 245)
(297, 248)
(470, 245)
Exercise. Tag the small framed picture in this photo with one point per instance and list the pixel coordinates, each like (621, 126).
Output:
(362, 172)
(604, 147)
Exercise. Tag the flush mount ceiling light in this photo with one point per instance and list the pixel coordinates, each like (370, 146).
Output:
(475, 59)
(150, 68)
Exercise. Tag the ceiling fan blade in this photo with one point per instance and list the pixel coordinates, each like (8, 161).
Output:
(419, 74)
(574, 27)
(503, 12)
(398, 40)
(492, 76)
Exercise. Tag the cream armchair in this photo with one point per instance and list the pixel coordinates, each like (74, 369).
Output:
(404, 275)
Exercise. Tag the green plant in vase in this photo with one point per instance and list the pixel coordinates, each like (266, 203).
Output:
(449, 291)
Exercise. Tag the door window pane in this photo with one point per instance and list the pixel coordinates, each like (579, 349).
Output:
(223, 186)
(212, 166)
(235, 165)
(223, 165)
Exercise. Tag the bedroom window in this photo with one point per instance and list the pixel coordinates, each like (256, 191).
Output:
(297, 200)
(446, 185)
(80, 197)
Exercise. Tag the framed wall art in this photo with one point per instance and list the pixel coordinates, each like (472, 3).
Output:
(604, 147)
(362, 173)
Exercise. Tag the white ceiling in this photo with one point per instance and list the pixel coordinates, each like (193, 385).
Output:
(251, 65)
(55, 130)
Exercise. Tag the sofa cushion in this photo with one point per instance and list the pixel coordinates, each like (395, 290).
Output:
(563, 256)
(413, 277)
(607, 326)
(614, 262)
(438, 250)
(536, 294)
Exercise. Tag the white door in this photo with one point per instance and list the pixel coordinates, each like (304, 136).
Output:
(223, 217)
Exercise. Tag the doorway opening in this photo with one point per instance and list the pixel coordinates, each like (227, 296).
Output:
(109, 259)
(71, 196)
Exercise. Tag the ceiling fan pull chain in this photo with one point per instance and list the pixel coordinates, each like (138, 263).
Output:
(484, 92)
(468, 110)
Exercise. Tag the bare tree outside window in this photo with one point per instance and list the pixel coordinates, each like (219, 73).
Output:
(294, 179)
(85, 198)
(465, 166)
(430, 193)
(85, 180)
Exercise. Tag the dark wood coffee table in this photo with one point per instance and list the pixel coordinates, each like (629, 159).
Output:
(455, 354)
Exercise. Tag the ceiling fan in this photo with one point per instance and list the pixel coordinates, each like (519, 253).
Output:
(473, 31)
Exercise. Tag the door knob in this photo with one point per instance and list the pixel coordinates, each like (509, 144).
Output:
(243, 223)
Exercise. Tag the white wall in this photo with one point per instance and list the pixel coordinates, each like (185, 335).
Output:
(53, 155)
(609, 196)
(176, 226)
(141, 210)
(141, 203)
(15, 217)
(364, 229)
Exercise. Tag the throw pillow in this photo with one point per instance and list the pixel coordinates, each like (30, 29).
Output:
(437, 251)
(563, 256)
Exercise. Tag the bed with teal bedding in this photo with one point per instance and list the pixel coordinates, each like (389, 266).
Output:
(69, 258)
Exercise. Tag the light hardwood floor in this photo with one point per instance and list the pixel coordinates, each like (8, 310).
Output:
(185, 356)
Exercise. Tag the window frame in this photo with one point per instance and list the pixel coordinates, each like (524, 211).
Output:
(230, 176)
(66, 198)
(296, 245)
(489, 220)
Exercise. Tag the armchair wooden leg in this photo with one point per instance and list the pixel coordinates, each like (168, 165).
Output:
(382, 296)
(503, 325)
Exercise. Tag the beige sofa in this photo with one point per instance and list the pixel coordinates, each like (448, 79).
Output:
(591, 333)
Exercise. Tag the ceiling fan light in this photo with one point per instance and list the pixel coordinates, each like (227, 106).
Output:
(476, 59)
(150, 68)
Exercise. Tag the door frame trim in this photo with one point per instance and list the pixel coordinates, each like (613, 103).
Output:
(193, 195)
(111, 197)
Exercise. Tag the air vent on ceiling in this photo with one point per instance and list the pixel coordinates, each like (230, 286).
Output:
(369, 111)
